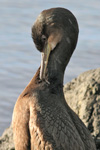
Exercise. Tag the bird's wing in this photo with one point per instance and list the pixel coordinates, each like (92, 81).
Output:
(62, 132)
(20, 125)
(83, 132)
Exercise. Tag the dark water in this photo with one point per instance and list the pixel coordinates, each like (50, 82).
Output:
(19, 58)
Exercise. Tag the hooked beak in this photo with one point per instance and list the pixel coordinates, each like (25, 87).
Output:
(44, 60)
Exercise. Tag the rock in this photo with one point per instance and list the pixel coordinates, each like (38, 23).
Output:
(6, 140)
(83, 96)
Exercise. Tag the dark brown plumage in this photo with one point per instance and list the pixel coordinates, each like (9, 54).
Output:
(42, 120)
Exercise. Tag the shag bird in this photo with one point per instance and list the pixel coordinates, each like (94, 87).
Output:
(42, 120)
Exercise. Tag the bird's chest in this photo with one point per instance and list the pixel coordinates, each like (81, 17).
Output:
(41, 126)
(51, 128)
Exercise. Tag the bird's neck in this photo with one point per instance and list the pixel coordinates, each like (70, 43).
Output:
(54, 74)
(53, 80)
(56, 65)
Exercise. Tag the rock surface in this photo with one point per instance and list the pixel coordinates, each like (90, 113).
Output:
(83, 96)
(6, 140)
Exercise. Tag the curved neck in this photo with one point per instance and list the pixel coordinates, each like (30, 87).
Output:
(55, 76)
(58, 61)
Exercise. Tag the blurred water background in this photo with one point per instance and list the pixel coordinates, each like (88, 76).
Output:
(19, 58)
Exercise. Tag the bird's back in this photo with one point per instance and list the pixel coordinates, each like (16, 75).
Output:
(42, 120)
(54, 126)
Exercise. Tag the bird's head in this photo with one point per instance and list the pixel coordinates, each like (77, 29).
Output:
(55, 32)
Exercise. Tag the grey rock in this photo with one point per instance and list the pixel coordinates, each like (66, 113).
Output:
(83, 96)
(6, 140)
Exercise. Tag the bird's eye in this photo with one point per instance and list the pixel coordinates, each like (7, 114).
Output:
(43, 38)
